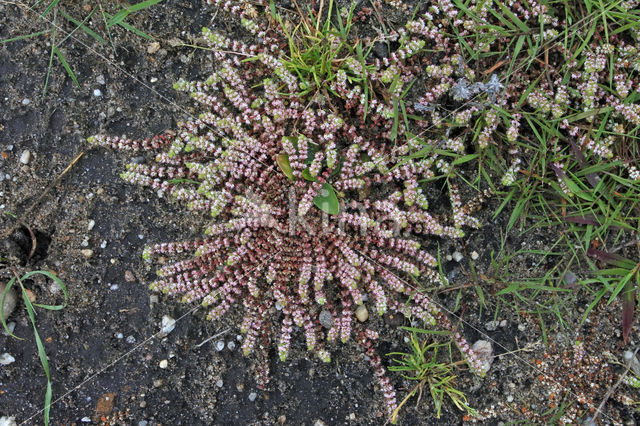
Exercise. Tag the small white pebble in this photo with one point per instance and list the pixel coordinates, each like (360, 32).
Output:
(88, 253)
(26, 101)
(85, 420)
(25, 157)
(153, 79)
(253, 396)
(219, 345)
(457, 256)
(474, 255)
(168, 324)
(140, 236)
(163, 364)
(103, 244)
(278, 306)
(231, 345)
(119, 335)
(130, 340)
(6, 359)
(219, 383)
(113, 287)
(97, 93)
(91, 224)
(100, 79)
(153, 48)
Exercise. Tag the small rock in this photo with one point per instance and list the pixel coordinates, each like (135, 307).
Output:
(282, 419)
(632, 361)
(143, 423)
(474, 255)
(119, 336)
(570, 279)
(153, 48)
(457, 256)
(105, 404)
(113, 287)
(503, 323)
(510, 398)
(168, 324)
(325, 318)
(491, 325)
(153, 79)
(85, 420)
(240, 387)
(253, 396)
(6, 359)
(157, 383)
(8, 421)
(319, 422)
(219, 345)
(143, 404)
(97, 93)
(91, 224)
(362, 314)
(278, 306)
(103, 244)
(130, 340)
(11, 326)
(163, 364)
(25, 157)
(88, 253)
(26, 101)
(129, 276)
(9, 301)
(231, 345)
(219, 383)
(484, 352)
(522, 327)
(100, 79)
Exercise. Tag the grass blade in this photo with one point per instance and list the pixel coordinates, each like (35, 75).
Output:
(66, 66)
(22, 37)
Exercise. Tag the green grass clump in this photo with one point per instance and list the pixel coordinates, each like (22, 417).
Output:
(425, 365)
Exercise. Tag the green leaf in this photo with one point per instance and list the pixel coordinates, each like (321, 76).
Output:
(307, 175)
(283, 162)
(327, 200)
(121, 16)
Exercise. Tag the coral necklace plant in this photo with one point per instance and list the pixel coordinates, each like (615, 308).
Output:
(311, 213)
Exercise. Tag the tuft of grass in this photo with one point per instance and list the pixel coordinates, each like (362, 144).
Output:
(31, 311)
(425, 365)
